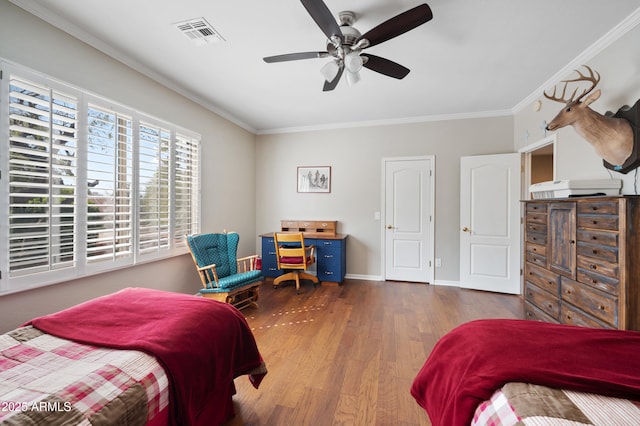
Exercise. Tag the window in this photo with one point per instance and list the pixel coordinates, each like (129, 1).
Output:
(88, 186)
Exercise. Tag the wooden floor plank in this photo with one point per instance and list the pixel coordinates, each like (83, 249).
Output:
(348, 355)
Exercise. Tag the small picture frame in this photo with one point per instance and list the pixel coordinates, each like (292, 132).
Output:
(314, 179)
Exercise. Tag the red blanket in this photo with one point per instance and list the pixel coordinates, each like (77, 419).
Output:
(468, 364)
(203, 344)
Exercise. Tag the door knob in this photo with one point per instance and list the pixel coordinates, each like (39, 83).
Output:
(465, 229)
(389, 227)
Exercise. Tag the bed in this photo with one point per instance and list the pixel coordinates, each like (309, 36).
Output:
(135, 357)
(506, 372)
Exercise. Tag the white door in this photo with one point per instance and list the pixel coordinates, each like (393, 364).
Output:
(408, 214)
(490, 223)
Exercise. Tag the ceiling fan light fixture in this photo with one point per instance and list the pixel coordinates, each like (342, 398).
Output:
(353, 61)
(330, 70)
(352, 77)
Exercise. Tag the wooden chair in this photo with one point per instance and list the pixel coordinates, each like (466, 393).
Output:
(292, 255)
(224, 277)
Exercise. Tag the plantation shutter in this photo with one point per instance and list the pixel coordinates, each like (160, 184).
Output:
(42, 178)
(109, 185)
(153, 181)
(187, 188)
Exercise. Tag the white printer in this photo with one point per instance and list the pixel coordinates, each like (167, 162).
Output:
(575, 188)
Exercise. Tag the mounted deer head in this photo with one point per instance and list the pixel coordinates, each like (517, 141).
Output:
(612, 138)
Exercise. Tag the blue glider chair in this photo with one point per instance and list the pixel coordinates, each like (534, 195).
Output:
(225, 278)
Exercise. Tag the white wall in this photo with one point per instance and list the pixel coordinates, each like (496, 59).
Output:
(228, 200)
(355, 156)
(619, 68)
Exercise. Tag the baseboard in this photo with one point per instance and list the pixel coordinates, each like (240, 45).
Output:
(447, 283)
(364, 277)
(379, 278)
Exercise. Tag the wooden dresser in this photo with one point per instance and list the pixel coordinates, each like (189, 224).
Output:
(582, 261)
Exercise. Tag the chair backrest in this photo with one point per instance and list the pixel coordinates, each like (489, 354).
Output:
(290, 250)
(220, 249)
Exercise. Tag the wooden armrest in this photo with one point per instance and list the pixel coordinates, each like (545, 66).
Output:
(247, 263)
(310, 249)
(204, 277)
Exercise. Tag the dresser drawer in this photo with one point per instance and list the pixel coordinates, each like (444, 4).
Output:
(536, 208)
(598, 266)
(605, 238)
(609, 223)
(536, 259)
(536, 248)
(601, 282)
(544, 300)
(595, 251)
(537, 238)
(539, 218)
(573, 316)
(543, 278)
(532, 312)
(594, 302)
(606, 207)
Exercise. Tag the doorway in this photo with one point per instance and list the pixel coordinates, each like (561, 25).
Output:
(539, 163)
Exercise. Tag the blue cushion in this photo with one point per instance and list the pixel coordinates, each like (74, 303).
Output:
(235, 281)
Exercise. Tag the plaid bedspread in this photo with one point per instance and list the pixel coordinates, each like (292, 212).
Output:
(527, 404)
(45, 380)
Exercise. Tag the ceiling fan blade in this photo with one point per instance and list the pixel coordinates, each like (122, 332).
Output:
(295, 56)
(398, 25)
(330, 85)
(323, 17)
(385, 66)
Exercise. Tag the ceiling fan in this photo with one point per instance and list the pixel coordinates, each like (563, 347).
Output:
(345, 43)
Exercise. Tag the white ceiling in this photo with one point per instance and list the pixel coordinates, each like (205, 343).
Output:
(475, 58)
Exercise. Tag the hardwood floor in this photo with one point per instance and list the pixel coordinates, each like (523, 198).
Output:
(347, 355)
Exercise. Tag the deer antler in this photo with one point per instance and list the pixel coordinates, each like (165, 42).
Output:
(593, 77)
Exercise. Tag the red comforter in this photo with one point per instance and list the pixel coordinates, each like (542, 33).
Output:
(203, 344)
(472, 361)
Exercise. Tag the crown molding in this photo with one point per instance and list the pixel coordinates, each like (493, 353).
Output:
(629, 23)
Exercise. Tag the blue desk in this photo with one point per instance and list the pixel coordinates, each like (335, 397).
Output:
(331, 256)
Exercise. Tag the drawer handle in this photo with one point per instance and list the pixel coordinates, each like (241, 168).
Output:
(550, 282)
(594, 251)
(594, 281)
(568, 291)
(594, 208)
(594, 238)
(594, 267)
(602, 308)
(568, 317)
(550, 306)
(595, 222)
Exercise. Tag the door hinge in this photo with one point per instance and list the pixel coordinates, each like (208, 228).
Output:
(521, 271)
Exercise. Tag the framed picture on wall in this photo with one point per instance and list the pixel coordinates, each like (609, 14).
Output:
(314, 179)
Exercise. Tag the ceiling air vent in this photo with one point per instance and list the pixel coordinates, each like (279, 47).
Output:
(199, 31)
